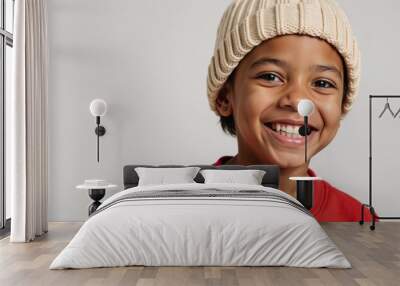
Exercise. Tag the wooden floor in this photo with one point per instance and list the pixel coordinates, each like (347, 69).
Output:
(374, 255)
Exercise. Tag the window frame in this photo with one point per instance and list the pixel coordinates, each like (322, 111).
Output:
(6, 39)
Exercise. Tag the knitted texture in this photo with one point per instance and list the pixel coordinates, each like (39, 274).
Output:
(247, 23)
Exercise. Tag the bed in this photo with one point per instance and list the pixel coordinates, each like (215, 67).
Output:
(201, 224)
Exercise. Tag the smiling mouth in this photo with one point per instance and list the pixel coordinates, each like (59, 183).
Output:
(287, 134)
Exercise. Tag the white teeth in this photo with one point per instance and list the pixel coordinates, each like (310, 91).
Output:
(287, 130)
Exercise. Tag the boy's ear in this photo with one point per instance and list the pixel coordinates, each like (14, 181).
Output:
(224, 101)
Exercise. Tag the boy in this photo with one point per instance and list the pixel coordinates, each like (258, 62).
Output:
(270, 54)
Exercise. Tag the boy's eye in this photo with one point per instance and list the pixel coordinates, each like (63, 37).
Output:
(323, 84)
(270, 77)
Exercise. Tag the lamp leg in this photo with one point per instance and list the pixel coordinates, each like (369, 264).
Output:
(305, 137)
(98, 145)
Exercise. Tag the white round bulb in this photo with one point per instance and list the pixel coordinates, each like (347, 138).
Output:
(98, 107)
(305, 107)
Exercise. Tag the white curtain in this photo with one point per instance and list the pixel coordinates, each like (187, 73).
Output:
(28, 122)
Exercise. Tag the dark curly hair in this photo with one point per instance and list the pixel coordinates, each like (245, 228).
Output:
(228, 122)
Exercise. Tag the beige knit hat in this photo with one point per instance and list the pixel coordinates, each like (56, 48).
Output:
(247, 23)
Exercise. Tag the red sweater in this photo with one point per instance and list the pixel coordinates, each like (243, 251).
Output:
(330, 204)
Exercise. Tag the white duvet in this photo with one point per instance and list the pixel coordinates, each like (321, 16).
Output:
(200, 231)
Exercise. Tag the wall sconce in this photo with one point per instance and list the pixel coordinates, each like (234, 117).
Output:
(98, 108)
(305, 108)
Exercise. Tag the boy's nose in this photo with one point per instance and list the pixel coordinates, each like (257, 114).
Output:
(291, 97)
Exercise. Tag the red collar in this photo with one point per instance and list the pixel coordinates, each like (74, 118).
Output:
(222, 160)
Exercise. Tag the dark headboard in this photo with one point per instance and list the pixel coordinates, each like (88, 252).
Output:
(270, 179)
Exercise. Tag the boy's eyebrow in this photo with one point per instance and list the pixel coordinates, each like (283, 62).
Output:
(283, 64)
(322, 68)
(264, 61)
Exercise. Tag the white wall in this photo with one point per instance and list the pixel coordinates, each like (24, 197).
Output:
(149, 59)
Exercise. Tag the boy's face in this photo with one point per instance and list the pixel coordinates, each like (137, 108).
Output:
(269, 83)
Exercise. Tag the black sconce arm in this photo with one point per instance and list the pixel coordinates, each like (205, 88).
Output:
(100, 131)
